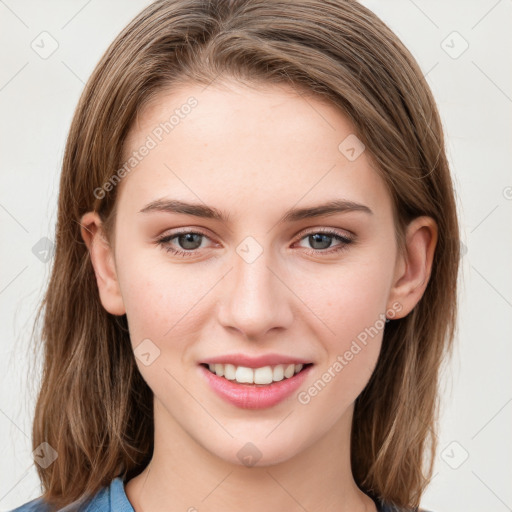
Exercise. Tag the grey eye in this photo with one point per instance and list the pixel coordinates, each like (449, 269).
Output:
(189, 241)
(320, 241)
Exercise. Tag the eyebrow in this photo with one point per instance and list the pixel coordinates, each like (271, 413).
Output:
(292, 215)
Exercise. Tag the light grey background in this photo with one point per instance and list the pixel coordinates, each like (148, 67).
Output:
(473, 89)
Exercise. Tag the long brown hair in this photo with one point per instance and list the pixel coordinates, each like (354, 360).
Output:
(93, 407)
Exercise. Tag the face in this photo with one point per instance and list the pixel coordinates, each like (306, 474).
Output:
(254, 279)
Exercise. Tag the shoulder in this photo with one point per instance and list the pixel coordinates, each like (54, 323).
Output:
(108, 499)
(36, 505)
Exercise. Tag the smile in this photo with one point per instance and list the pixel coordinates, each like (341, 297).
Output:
(263, 376)
(258, 389)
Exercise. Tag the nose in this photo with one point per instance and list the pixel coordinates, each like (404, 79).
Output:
(256, 297)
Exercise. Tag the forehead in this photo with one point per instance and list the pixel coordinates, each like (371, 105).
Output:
(245, 146)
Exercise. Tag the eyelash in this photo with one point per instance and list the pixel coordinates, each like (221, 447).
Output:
(164, 243)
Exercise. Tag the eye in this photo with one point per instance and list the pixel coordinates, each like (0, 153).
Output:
(322, 239)
(188, 243)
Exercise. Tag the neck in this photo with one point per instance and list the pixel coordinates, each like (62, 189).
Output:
(183, 475)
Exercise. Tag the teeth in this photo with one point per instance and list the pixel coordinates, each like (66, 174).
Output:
(264, 375)
(244, 375)
(278, 373)
(229, 371)
(289, 371)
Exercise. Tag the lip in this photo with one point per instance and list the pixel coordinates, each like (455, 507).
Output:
(254, 396)
(255, 362)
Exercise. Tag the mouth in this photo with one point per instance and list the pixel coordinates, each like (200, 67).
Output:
(265, 376)
(254, 387)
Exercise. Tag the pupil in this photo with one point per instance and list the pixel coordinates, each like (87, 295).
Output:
(187, 240)
(317, 237)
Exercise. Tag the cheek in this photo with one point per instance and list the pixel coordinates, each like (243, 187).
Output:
(349, 298)
(160, 299)
(352, 306)
(356, 321)
(161, 308)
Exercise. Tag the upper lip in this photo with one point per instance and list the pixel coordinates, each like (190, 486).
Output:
(255, 362)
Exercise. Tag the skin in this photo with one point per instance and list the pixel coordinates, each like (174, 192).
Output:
(253, 152)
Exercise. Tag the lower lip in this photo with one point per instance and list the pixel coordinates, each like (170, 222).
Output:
(250, 396)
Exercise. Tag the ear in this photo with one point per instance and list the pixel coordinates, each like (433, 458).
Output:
(102, 259)
(412, 271)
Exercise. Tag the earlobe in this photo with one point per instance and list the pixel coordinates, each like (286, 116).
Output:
(415, 265)
(102, 259)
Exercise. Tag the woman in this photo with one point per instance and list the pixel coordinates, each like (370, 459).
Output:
(255, 271)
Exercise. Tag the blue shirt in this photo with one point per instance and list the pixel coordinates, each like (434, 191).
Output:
(107, 499)
(114, 499)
